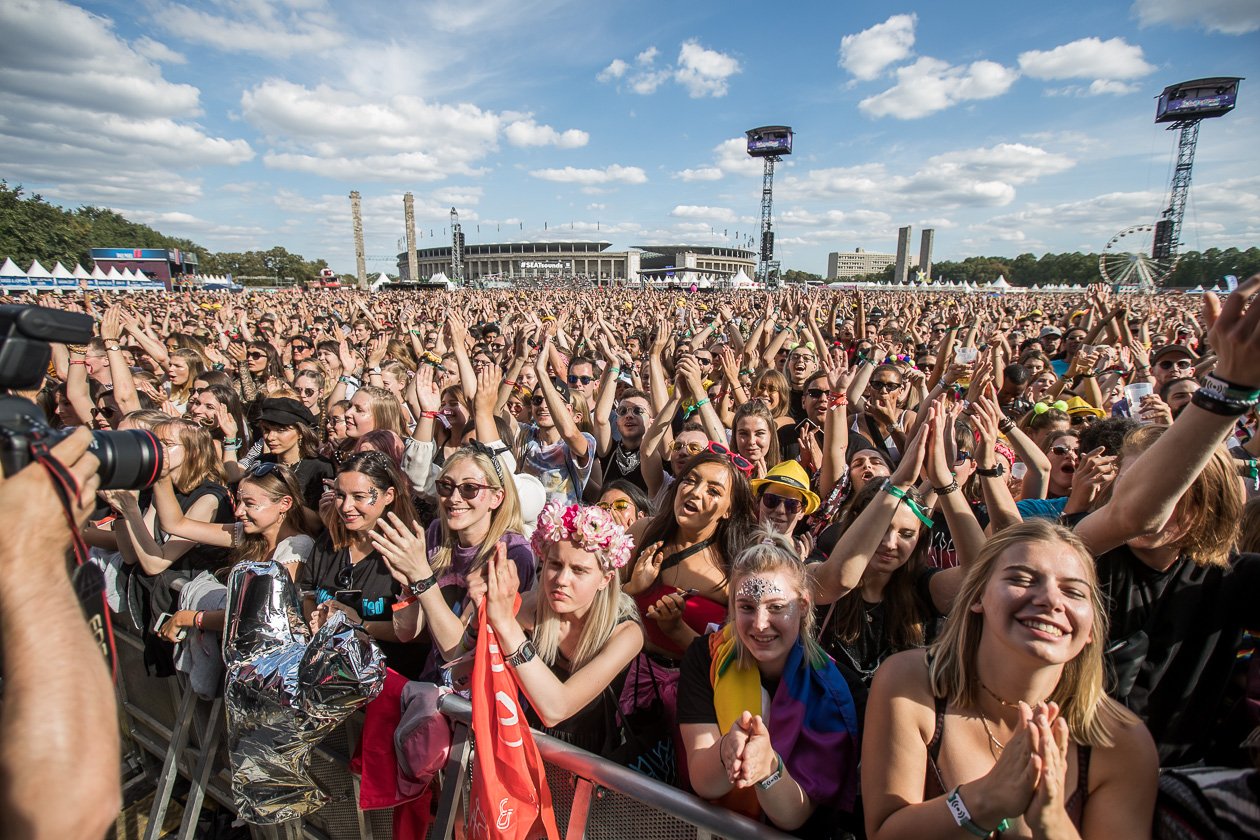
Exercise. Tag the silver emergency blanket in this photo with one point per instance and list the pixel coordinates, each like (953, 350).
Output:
(286, 690)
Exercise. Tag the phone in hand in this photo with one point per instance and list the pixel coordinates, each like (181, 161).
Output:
(352, 598)
(161, 622)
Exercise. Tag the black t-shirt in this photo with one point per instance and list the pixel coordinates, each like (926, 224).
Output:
(371, 577)
(1194, 617)
(310, 474)
(623, 464)
(790, 442)
(695, 705)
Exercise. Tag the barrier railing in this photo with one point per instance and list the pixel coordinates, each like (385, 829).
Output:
(594, 798)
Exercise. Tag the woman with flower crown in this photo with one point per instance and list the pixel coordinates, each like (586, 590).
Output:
(574, 634)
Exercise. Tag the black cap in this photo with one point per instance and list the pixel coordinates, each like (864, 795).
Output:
(562, 388)
(285, 411)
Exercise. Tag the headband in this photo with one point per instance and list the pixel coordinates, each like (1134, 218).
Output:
(1042, 408)
(590, 528)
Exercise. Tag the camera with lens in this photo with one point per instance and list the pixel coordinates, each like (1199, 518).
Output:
(130, 460)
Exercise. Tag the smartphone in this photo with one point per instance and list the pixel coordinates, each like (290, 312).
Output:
(352, 598)
(161, 622)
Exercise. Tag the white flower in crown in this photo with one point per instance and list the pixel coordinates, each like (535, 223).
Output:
(590, 528)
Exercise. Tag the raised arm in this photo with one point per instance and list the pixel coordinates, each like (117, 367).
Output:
(579, 446)
(1147, 491)
(119, 371)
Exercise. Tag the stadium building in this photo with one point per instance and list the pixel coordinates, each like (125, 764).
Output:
(845, 264)
(592, 260)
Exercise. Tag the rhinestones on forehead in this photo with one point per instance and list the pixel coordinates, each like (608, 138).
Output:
(758, 589)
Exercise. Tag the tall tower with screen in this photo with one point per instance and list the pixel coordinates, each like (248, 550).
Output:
(771, 143)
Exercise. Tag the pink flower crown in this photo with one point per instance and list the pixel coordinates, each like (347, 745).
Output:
(589, 528)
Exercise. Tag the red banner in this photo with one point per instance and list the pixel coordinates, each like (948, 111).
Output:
(510, 799)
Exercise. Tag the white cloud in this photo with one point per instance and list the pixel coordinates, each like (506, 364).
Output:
(982, 177)
(647, 56)
(1107, 62)
(704, 72)
(703, 173)
(157, 51)
(865, 54)
(1100, 86)
(105, 127)
(529, 133)
(645, 84)
(615, 70)
(267, 29)
(608, 175)
(695, 211)
(930, 85)
(1229, 17)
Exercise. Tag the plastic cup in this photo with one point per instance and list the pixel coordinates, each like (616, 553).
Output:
(1133, 394)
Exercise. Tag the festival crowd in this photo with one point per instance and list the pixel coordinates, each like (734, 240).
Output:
(894, 564)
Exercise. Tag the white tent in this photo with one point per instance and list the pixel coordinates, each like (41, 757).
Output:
(440, 278)
(11, 270)
(80, 272)
(1000, 283)
(380, 280)
(97, 273)
(114, 274)
(37, 270)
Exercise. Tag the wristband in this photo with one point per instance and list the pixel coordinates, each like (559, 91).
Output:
(198, 617)
(962, 817)
(402, 603)
(1005, 425)
(231, 443)
(770, 781)
(904, 496)
(419, 587)
(1228, 391)
(1225, 407)
(79, 362)
(429, 415)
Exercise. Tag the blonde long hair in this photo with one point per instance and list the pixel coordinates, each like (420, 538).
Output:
(506, 517)
(1091, 715)
(610, 608)
(774, 552)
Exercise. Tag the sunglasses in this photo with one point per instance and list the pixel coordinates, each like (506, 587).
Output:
(885, 385)
(772, 501)
(585, 380)
(738, 461)
(637, 410)
(301, 347)
(1061, 450)
(692, 448)
(704, 360)
(339, 420)
(815, 393)
(256, 356)
(469, 490)
(1083, 419)
(308, 392)
(538, 399)
(263, 468)
(962, 455)
(1180, 364)
(107, 412)
(616, 504)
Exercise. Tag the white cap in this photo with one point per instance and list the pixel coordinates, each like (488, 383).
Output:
(533, 498)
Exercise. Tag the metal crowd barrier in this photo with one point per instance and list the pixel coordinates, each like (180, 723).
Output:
(181, 736)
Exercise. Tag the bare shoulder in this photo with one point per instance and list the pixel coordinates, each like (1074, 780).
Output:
(1131, 754)
(904, 674)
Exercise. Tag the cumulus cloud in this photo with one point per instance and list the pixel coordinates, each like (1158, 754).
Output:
(703, 173)
(105, 127)
(865, 54)
(930, 85)
(982, 177)
(704, 72)
(267, 29)
(529, 133)
(697, 211)
(1108, 63)
(615, 70)
(699, 70)
(613, 174)
(157, 51)
(1229, 17)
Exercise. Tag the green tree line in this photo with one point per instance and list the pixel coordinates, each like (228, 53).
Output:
(1195, 268)
(34, 229)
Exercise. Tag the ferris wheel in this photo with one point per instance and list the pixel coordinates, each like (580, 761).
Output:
(1126, 259)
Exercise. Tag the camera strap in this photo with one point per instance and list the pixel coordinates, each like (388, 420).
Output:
(88, 579)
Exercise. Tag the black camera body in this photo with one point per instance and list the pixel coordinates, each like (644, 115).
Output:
(130, 460)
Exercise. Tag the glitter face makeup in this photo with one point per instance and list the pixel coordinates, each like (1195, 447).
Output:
(757, 589)
(373, 495)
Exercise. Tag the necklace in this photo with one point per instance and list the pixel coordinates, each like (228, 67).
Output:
(993, 742)
(1008, 704)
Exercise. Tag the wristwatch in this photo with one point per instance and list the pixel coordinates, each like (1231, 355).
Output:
(770, 781)
(419, 587)
(996, 471)
(523, 654)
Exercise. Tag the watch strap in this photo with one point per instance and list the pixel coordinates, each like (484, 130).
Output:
(523, 654)
(420, 587)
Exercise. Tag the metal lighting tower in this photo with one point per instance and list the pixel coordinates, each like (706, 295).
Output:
(1184, 106)
(457, 249)
(772, 143)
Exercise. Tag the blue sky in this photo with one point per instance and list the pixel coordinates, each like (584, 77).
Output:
(1009, 127)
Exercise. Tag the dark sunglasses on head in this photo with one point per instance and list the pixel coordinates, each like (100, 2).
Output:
(616, 504)
(738, 461)
(585, 380)
(469, 490)
(263, 468)
(773, 500)
(815, 393)
(885, 385)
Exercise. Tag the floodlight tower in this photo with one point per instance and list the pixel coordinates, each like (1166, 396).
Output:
(1183, 106)
(457, 249)
(771, 143)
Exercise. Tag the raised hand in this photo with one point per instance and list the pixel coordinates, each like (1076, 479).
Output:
(403, 549)
(646, 569)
